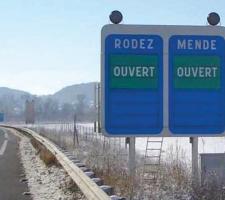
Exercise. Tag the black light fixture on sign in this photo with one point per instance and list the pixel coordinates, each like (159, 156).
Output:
(213, 18)
(116, 17)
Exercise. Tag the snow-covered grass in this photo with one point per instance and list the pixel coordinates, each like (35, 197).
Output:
(46, 182)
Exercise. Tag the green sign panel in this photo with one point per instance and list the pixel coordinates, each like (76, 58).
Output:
(197, 72)
(133, 71)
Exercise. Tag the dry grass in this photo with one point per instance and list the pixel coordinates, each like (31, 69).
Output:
(71, 187)
(174, 182)
(115, 177)
(209, 190)
(46, 156)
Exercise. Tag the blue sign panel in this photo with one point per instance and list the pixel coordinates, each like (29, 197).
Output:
(133, 84)
(196, 84)
(1, 117)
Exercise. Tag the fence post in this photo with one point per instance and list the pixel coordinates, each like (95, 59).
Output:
(75, 135)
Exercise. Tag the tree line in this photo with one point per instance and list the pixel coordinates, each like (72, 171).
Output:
(48, 109)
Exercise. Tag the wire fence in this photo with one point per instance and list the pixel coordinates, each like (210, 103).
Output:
(82, 139)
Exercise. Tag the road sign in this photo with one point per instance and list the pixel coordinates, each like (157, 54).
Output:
(1, 117)
(163, 80)
(133, 84)
(196, 74)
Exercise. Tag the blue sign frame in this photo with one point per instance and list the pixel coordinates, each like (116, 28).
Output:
(196, 111)
(133, 111)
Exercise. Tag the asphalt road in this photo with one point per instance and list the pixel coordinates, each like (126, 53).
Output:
(10, 168)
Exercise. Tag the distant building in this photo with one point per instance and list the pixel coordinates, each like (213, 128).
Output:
(29, 112)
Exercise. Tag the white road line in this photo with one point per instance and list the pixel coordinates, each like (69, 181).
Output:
(6, 136)
(3, 147)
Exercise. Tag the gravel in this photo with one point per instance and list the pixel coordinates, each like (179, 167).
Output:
(46, 182)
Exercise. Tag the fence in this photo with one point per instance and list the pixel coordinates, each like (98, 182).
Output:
(81, 139)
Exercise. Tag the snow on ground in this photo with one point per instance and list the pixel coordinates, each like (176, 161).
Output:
(45, 183)
(206, 144)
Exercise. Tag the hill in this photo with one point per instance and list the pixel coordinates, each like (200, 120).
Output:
(13, 98)
(4, 91)
(65, 95)
(12, 102)
(69, 94)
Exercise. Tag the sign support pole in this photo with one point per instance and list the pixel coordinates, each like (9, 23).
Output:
(195, 171)
(132, 164)
(95, 106)
(99, 110)
(132, 157)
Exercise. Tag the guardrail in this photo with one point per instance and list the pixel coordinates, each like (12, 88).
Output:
(75, 170)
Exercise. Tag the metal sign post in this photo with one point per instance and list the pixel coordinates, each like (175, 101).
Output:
(99, 107)
(132, 164)
(132, 153)
(195, 168)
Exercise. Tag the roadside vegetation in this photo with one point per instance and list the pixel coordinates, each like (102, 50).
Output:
(108, 158)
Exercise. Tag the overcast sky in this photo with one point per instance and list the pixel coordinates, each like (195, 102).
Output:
(49, 44)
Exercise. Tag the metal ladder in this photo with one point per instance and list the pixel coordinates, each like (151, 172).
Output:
(152, 159)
